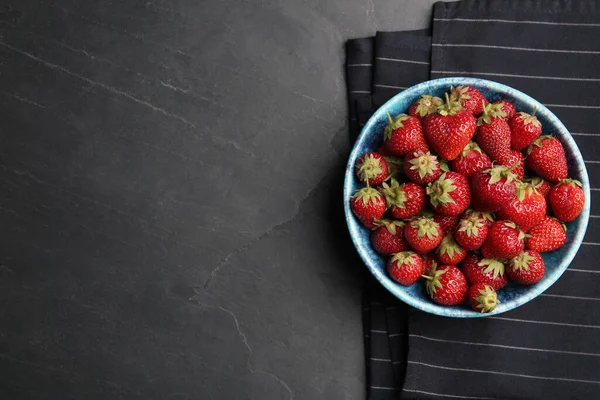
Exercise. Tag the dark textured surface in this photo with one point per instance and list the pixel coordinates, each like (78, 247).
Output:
(166, 169)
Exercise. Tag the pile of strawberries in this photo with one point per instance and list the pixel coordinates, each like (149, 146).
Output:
(447, 199)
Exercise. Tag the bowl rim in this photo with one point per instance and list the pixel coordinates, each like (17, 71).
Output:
(535, 290)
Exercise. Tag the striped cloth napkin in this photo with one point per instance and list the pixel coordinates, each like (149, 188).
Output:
(548, 348)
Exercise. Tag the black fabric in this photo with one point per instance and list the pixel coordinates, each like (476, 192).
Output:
(548, 348)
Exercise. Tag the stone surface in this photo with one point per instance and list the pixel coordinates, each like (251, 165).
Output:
(170, 198)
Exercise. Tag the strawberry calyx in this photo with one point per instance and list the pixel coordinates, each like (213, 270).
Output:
(470, 226)
(367, 195)
(433, 280)
(480, 214)
(499, 172)
(393, 124)
(571, 182)
(538, 142)
(514, 226)
(530, 118)
(444, 166)
(403, 258)
(521, 262)
(395, 165)
(524, 189)
(390, 225)
(439, 191)
(425, 163)
(426, 227)
(487, 299)
(471, 146)
(394, 193)
(450, 107)
(449, 246)
(427, 104)
(492, 266)
(369, 167)
(489, 111)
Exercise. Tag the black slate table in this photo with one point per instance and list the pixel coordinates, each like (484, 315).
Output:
(167, 169)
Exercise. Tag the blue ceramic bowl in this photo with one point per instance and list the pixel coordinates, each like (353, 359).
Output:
(512, 295)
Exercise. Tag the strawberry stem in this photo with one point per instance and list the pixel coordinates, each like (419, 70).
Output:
(534, 110)
(391, 121)
(429, 278)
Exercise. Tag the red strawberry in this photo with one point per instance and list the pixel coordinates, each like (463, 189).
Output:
(404, 201)
(449, 252)
(450, 194)
(447, 222)
(504, 240)
(406, 267)
(421, 167)
(485, 217)
(404, 135)
(546, 157)
(388, 238)
(368, 205)
(471, 232)
(483, 297)
(395, 166)
(469, 98)
(526, 210)
(515, 160)
(524, 129)
(493, 189)
(423, 234)
(424, 106)
(527, 268)
(449, 130)
(542, 186)
(566, 199)
(371, 169)
(493, 133)
(507, 107)
(431, 262)
(548, 235)
(471, 160)
(447, 285)
(481, 270)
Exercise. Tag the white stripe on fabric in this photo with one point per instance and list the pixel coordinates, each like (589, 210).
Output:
(359, 91)
(380, 359)
(594, 190)
(556, 78)
(502, 346)
(584, 270)
(591, 243)
(562, 296)
(389, 86)
(594, 216)
(450, 396)
(377, 331)
(489, 46)
(546, 322)
(591, 162)
(584, 134)
(571, 106)
(396, 334)
(383, 388)
(360, 65)
(483, 371)
(402, 60)
(510, 21)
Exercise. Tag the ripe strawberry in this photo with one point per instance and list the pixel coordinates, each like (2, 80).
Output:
(447, 222)
(424, 106)
(404, 135)
(507, 107)
(541, 185)
(471, 232)
(371, 169)
(395, 166)
(515, 160)
(472, 159)
(449, 130)
(526, 210)
(481, 270)
(483, 297)
(469, 98)
(524, 129)
(450, 194)
(504, 240)
(493, 189)
(566, 199)
(421, 167)
(449, 252)
(493, 133)
(446, 285)
(388, 237)
(406, 267)
(548, 235)
(485, 217)
(546, 157)
(404, 201)
(431, 262)
(527, 268)
(368, 205)
(423, 234)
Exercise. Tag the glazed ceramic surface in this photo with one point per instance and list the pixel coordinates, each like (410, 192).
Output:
(513, 295)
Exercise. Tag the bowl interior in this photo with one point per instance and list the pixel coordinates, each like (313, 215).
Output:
(513, 295)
